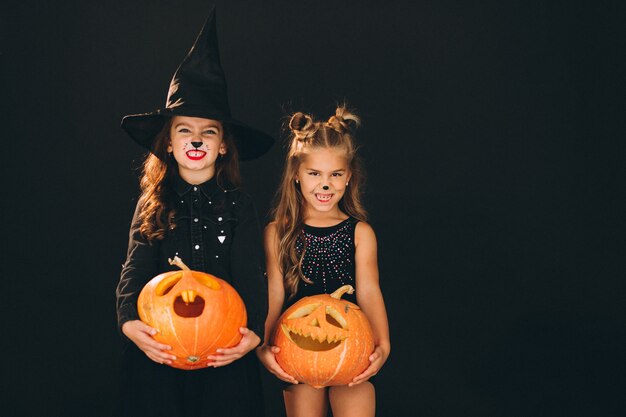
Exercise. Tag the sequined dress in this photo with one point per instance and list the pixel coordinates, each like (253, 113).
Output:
(328, 260)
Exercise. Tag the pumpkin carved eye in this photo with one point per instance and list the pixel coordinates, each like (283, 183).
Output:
(334, 318)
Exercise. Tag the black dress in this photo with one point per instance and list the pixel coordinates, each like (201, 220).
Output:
(328, 262)
(217, 231)
(328, 259)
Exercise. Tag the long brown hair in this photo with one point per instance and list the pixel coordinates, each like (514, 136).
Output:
(288, 213)
(155, 183)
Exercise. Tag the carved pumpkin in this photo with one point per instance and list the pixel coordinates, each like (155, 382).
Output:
(324, 340)
(194, 312)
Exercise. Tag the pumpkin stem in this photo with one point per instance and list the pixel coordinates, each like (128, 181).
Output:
(179, 263)
(341, 291)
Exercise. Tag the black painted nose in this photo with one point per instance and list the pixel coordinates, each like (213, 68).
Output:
(325, 187)
(196, 144)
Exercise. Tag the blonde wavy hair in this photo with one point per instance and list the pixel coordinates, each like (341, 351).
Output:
(306, 135)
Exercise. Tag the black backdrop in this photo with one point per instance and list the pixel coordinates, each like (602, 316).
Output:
(492, 136)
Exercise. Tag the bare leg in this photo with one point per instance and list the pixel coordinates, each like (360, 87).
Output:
(356, 401)
(305, 401)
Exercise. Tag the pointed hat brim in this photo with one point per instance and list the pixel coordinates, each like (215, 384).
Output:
(142, 128)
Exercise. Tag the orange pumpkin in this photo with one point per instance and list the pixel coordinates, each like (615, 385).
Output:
(324, 340)
(194, 312)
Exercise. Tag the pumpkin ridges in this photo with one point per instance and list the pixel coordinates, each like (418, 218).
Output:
(219, 338)
(336, 366)
(218, 329)
(174, 333)
(190, 335)
(238, 323)
(196, 333)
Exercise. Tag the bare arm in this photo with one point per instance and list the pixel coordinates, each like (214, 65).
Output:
(276, 296)
(370, 298)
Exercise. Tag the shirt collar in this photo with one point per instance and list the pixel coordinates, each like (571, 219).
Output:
(182, 187)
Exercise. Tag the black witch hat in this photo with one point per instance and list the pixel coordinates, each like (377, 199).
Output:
(198, 89)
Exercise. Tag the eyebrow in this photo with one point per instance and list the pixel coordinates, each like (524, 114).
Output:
(209, 126)
(332, 170)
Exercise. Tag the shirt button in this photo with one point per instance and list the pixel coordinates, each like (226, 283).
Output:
(217, 256)
(219, 219)
(195, 188)
(197, 247)
(195, 220)
(210, 202)
(221, 231)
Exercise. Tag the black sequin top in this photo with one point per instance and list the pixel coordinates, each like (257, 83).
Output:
(328, 260)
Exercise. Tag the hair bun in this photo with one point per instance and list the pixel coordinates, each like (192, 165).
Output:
(343, 120)
(300, 124)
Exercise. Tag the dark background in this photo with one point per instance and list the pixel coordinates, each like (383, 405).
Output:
(493, 139)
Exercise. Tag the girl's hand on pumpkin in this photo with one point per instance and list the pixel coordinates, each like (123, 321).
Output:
(377, 359)
(224, 356)
(141, 335)
(267, 356)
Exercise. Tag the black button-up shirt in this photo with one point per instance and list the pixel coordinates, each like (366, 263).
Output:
(217, 231)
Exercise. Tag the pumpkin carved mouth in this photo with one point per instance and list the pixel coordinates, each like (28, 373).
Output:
(184, 307)
(316, 328)
(307, 342)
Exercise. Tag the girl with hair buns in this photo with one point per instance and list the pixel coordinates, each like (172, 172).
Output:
(317, 242)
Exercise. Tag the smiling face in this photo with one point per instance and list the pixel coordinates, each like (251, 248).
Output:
(323, 175)
(196, 144)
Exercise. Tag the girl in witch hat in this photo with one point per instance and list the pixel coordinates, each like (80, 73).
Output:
(191, 207)
(319, 242)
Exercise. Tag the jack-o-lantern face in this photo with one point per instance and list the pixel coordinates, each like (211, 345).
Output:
(324, 340)
(184, 289)
(316, 327)
(194, 312)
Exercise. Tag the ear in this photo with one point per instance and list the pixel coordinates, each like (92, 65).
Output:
(169, 148)
(223, 149)
(348, 177)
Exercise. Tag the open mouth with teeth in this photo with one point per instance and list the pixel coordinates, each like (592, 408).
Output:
(316, 328)
(195, 155)
(323, 198)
